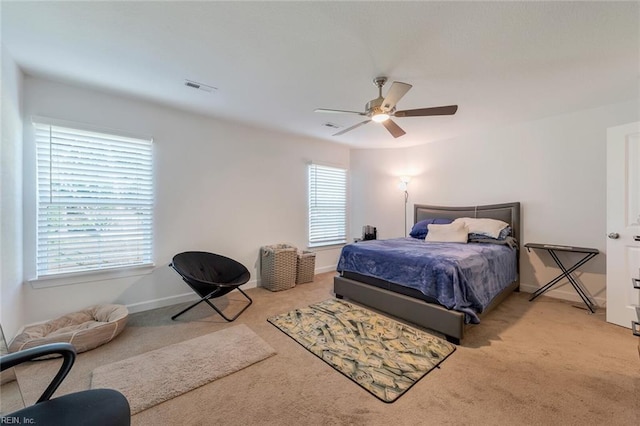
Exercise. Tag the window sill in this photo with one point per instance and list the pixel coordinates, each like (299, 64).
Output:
(86, 277)
(329, 246)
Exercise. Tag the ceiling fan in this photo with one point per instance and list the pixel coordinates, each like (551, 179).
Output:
(382, 109)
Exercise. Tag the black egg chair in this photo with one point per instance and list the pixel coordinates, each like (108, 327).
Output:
(210, 276)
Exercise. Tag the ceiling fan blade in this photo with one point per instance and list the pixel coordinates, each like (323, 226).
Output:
(421, 112)
(348, 129)
(393, 128)
(395, 93)
(338, 111)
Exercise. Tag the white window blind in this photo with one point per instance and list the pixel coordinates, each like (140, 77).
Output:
(327, 205)
(95, 200)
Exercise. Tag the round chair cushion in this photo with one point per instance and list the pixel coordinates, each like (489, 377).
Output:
(85, 330)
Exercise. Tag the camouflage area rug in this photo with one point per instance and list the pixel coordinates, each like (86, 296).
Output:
(383, 356)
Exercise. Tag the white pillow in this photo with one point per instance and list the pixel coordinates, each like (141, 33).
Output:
(450, 233)
(484, 226)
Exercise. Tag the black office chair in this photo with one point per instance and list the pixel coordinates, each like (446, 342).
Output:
(96, 407)
(211, 276)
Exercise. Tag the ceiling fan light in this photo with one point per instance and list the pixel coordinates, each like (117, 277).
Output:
(380, 117)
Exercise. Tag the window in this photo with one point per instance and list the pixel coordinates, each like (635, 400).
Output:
(327, 205)
(94, 200)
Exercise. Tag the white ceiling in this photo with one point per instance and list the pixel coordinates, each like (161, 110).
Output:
(275, 62)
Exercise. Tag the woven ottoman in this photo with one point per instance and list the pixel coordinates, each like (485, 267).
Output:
(85, 330)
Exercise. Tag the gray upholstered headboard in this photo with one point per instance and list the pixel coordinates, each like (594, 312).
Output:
(508, 212)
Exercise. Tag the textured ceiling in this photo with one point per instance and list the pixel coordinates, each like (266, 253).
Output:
(275, 62)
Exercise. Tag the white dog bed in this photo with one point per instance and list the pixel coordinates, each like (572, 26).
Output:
(85, 330)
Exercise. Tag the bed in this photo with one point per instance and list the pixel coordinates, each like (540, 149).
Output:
(402, 297)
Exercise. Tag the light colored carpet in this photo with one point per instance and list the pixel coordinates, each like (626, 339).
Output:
(544, 362)
(157, 376)
(383, 356)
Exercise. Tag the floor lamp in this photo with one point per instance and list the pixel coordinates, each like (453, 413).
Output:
(404, 184)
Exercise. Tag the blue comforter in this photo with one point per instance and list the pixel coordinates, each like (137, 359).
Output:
(463, 277)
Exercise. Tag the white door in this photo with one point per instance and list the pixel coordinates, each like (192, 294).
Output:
(623, 224)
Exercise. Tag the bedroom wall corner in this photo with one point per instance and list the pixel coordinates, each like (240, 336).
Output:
(11, 305)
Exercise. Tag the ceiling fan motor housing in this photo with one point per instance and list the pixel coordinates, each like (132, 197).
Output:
(374, 106)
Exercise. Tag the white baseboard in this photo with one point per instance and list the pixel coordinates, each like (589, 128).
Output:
(568, 294)
(147, 305)
(330, 268)
(192, 297)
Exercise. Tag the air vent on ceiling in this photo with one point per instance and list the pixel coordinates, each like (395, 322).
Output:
(199, 86)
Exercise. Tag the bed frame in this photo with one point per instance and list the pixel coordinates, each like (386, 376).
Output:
(408, 305)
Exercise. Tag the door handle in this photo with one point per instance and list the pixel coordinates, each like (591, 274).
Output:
(614, 235)
(636, 237)
(636, 283)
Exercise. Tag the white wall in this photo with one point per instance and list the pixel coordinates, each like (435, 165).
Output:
(220, 187)
(556, 167)
(230, 188)
(11, 305)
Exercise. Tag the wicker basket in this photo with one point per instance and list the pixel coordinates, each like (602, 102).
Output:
(306, 269)
(278, 267)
